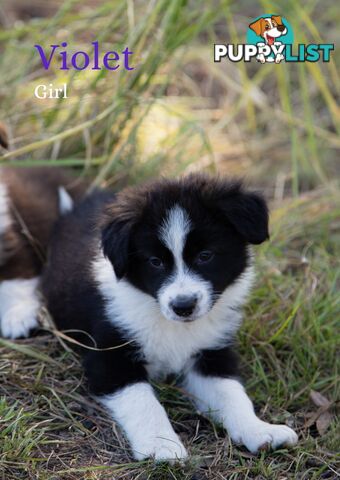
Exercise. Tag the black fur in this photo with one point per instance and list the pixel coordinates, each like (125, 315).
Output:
(75, 302)
(221, 362)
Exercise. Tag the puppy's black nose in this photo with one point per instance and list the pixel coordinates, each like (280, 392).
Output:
(184, 305)
(280, 28)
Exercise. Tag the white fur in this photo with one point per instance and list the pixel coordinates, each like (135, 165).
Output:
(19, 306)
(174, 232)
(168, 346)
(5, 219)
(227, 402)
(183, 282)
(187, 283)
(145, 423)
(65, 201)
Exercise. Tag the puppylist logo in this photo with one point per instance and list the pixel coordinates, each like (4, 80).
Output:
(270, 40)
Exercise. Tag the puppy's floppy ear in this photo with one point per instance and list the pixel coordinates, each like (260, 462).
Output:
(278, 19)
(258, 26)
(115, 244)
(248, 213)
(119, 221)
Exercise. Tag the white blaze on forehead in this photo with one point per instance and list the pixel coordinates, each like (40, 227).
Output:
(174, 231)
(269, 20)
(183, 281)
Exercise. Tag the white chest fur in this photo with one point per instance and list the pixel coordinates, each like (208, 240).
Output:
(168, 346)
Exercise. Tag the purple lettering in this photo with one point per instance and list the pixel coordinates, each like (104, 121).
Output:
(46, 62)
(64, 58)
(86, 60)
(96, 56)
(107, 59)
(81, 60)
(126, 54)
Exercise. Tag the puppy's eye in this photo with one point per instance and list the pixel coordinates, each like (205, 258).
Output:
(204, 257)
(267, 27)
(156, 262)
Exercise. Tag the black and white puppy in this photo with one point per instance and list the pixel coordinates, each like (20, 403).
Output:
(156, 277)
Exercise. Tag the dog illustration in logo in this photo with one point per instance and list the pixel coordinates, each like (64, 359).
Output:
(270, 29)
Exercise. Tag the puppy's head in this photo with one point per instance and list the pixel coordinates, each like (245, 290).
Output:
(185, 241)
(269, 28)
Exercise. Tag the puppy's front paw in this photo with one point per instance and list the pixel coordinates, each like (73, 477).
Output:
(279, 58)
(161, 449)
(264, 436)
(17, 322)
(19, 307)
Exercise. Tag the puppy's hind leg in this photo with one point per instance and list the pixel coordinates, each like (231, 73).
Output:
(19, 307)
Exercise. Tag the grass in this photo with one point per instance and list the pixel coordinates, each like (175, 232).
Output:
(178, 112)
(51, 428)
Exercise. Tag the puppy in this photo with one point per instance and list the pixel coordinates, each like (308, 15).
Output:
(270, 29)
(153, 280)
(30, 202)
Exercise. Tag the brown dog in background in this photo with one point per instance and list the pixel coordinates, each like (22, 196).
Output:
(31, 200)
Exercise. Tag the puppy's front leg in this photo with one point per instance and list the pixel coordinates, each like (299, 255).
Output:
(120, 383)
(145, 423)
(227, 402)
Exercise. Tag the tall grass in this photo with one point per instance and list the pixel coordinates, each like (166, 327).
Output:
(99, 123)
(197, 112)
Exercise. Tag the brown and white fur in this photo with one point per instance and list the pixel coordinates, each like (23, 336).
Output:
(270, 29)
(31, 200)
